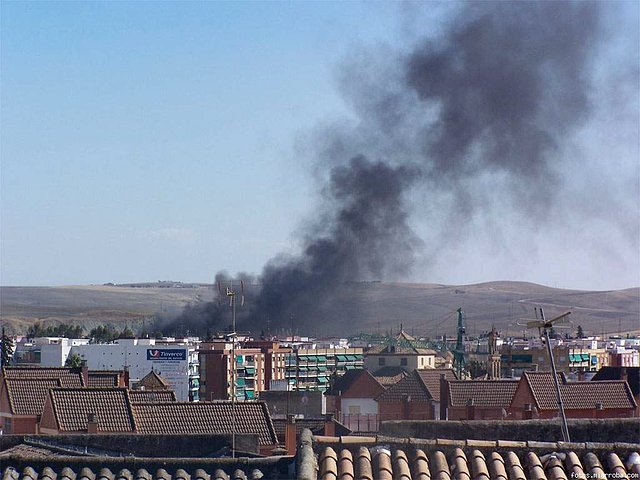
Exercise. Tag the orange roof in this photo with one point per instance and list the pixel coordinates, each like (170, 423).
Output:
(174, 418)
(71, 407)
(484, 393)
(69, 377)
(579, 395)
(27, 395)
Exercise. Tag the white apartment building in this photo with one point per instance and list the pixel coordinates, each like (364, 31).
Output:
(176, 360)
(46, 351)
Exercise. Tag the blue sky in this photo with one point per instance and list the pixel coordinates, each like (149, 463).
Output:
(150, 141)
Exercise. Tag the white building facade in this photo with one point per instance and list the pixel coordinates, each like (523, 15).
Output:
(175, 360)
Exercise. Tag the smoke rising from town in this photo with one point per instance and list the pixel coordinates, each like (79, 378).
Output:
(477, 119)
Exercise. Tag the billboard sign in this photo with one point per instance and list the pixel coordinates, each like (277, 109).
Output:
(167, 354)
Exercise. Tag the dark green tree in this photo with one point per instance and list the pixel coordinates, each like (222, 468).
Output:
(127, 333)
(62, 330)
(74, 361)
(6, 350)
(103, 334)
(580, 333)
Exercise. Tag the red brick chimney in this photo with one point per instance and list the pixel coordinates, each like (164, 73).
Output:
(92, 423)
(329, 425)
(290, 440)
(126, 377)
(471, 409)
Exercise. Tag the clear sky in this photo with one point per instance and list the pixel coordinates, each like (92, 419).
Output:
(147, 141)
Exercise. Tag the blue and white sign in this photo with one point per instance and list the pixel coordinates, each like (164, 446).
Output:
(166, 354)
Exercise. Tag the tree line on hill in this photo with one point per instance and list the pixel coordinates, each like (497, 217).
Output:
(100, 334)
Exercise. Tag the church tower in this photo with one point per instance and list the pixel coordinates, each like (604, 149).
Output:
(493, 361)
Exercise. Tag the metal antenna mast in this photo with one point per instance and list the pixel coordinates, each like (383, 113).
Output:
(543, 327)
(232, 303)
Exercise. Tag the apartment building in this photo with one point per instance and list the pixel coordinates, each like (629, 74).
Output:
(176, 360)
(310, 369)
(220, 363)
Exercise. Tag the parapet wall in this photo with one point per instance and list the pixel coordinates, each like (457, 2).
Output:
(602, 431)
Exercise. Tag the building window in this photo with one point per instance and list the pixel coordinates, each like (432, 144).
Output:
(354, 409)
(381, 361)
(403, 361)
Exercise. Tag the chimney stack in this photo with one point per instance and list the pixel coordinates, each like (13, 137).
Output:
(92, 423)
(329, 425)
(290, 440)
(471, 409)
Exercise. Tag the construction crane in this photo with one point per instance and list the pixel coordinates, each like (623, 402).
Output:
(459, 361)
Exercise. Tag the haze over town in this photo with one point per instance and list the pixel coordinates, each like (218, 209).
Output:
(158, 141)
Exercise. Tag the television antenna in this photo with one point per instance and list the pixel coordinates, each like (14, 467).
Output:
(232, 295)
(544, 326)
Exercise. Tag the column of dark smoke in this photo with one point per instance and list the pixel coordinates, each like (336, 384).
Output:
(497, 93)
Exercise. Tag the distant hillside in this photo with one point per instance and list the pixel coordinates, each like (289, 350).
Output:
(94, 305)
(424, 309)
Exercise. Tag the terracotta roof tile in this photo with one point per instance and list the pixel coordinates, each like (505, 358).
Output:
(69, 377)
(27, 395)
(111, 406)
(25, 450)
(384, 461)
(579, 395)
(141, 396)
(431, 378)
(212, 469)
(104, 379)
(205, 417)
(410, 386)
(153, 380)
(485, 393)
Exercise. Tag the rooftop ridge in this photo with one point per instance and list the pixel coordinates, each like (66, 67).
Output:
(351, 441)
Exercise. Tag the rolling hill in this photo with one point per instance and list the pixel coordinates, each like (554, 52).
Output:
(424, 309)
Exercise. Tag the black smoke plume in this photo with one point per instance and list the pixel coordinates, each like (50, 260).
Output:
(461, 121)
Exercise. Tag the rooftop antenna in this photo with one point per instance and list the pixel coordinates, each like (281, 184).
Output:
(232, 295)
(544, 326)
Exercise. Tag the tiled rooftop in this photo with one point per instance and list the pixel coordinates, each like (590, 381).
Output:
(153, 381)
(174, 418)
(69, 377)
(579, 395)
(23, 466)
(485, 393)
(410, 386)
(72, 406)
(389, 375)
(617, 373)
(139, 396)
(27, 395)
(389, 458)
(104, 379)
(345, 382)
(431, 378)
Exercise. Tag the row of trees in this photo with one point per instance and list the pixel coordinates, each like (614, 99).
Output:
(62, 330)
(100, 334)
